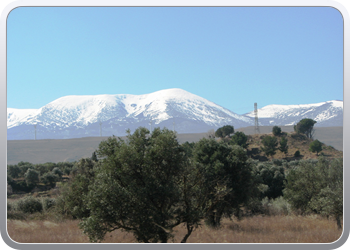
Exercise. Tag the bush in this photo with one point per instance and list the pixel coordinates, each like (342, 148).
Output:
(31, 177)
(29, 204)
(278, 206)
(297, 153)
(48, 203)
(276, 131)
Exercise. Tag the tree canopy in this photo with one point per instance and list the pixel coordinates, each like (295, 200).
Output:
(305, 126)
(317, 186)
(228, 177)
(224, 131)
(315, 146)
(269, 145)
(240, 139)
(143, 185)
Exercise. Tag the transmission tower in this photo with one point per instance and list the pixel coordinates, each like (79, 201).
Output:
(173, 125)
(257, 131)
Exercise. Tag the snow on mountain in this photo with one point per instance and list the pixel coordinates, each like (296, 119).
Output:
(325, 113)
(78, 116)
(82, 116)
(17, 115)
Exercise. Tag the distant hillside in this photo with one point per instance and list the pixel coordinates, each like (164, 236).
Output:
(296, 142)
(332, 136)
(59, 150)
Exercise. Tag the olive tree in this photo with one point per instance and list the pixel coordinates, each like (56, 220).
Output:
(229, 183)
(31, 176)
(305, 126)
(317, 186)
(224, 131)
(144, 185)
(240, 139)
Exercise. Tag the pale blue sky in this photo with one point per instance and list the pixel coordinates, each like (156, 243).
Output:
(233, 56)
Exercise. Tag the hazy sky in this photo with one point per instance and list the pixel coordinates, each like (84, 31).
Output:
(233, 56)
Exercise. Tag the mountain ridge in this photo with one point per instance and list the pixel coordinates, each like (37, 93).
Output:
(77, 116)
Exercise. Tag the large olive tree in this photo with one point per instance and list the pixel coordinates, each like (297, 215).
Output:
(145, 185)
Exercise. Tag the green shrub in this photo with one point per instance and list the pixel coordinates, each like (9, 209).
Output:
(278, 206)
(48, 203)
(276, 131)
(29, 204)
(297, 153)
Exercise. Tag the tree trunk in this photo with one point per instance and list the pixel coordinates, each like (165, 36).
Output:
(189, 231)
(338, 222)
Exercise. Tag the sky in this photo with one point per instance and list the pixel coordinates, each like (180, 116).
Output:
(232, 56)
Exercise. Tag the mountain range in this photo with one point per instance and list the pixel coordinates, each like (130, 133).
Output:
(93, 115)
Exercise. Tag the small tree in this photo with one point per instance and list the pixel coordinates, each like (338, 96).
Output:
(240, 139)
(31, 177)
(305, 126)
(49, 179)
(57, 172)
(283, 145)
(94, 157)
(315, 146)
(270, 145)
(224, 131)
(276, 131)
(13, 171)
(317, 186)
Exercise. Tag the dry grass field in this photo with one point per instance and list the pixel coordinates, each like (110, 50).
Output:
(257, 229)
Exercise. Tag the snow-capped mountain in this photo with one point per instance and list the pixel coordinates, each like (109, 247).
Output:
(325, 114)
(80, 116)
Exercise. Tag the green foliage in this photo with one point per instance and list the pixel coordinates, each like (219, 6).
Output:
(31, 177)
(317, 186)
(142, 185)
(305, 126)
(29, 204)
(224, 131)
(283, 145)
(276, 131)
(13, 170)
(188, 148)
(273, 177)
(240, 139)
(269, 145)
(278, 206)
(315, 146)
(297, 153)
(72, 198)
(49, 179)
(229, 182)
(94, 156)
(21, 186)
(58, 172)
(48, 203)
